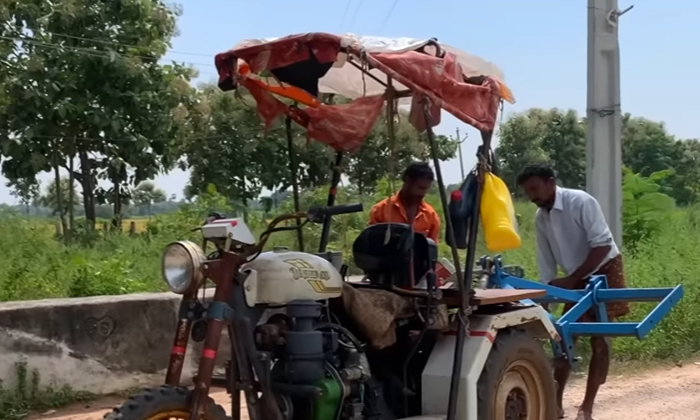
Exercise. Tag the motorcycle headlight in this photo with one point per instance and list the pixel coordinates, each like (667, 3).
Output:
(181, 266)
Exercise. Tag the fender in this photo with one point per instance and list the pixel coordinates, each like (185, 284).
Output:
(482, 333)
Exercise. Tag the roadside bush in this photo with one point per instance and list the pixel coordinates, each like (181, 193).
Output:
(37, 266)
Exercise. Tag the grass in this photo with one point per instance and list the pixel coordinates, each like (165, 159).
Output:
(28, 395)
(37, 266)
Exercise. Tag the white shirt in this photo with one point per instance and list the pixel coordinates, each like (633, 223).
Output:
(567, 233)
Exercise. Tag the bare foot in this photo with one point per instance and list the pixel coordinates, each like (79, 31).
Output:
(584, 415)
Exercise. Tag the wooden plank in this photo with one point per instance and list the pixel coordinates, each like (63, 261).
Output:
(483, 297)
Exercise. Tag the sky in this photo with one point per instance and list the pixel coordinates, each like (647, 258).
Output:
(540, 45)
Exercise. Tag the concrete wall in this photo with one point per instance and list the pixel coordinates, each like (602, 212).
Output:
(99, 344)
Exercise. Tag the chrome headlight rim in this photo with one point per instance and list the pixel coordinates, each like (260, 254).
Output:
(196, 260)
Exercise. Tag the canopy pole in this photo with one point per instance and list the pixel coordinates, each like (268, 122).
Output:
(391, 133)
(295, 184)
(391, 130)
(330, 202)
(464, 286)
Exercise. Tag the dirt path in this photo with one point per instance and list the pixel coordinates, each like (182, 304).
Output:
(669, 394)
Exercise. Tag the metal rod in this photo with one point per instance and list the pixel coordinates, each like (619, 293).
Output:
(330, 202)
(295, 184)
(465, 287)
(459, 149)
(465, 282)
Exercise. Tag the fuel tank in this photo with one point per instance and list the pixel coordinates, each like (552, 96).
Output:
(280, 277)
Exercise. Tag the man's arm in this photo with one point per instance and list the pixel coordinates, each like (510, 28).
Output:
(545, 257)
(434, 232)
(600, 239)
(376, 214)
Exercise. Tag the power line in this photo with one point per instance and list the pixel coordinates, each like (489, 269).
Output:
(93, 53)
(354, 15)
(126, 139)
(345, 13)
(106, 42)
(388, 15)
(101, 41)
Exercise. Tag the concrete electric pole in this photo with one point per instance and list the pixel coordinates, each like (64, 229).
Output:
(459, 148)
(603, 143)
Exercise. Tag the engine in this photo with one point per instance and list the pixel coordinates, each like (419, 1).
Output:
(319, 369)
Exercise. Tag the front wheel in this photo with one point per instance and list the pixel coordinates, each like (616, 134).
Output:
(517, 382)
(163, 403)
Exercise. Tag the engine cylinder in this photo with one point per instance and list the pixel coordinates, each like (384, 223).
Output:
(304, 345)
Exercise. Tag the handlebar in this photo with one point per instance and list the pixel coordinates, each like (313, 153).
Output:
(316, 215)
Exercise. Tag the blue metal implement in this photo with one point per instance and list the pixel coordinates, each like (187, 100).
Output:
(592, 298)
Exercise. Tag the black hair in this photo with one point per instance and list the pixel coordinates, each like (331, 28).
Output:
(419, 170)
(537, 170)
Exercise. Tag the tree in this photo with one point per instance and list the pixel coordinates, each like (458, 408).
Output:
(646, 146)
(684, 184)
(54, 196)
(231, 151)
(374, 160)
(26, 191)
(558, 138)
(644, 207)
(537, 136)
(87, 84)
(146, 194)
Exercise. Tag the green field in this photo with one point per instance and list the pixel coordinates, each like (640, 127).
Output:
(37, 266)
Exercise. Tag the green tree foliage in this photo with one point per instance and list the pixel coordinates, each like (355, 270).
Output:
(537, 136)
(83, 80)
(645, 209)
(146, 194)
(27, 191)
(374, 160)
(58, 199)
(559, 138)
(231, 151)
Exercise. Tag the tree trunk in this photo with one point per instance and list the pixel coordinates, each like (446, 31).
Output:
(86, 181)
(71, 191)
(59, 193)
(117, 200)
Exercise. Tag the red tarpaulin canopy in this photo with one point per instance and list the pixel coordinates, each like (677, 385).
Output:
(302, 65)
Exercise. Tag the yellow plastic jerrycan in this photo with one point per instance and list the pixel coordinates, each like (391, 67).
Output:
(498, 215)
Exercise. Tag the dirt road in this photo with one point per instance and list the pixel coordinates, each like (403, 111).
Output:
(669, 394)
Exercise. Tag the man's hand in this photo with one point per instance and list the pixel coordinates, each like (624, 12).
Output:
(566, 282)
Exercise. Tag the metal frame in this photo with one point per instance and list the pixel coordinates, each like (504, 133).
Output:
(593, 297)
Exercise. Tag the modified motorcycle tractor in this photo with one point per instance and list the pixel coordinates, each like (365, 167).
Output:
(306, 343)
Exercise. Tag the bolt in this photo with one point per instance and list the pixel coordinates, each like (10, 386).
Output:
(206, 266)
(248, 288)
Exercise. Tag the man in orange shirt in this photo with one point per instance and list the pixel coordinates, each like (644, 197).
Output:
(408, 206)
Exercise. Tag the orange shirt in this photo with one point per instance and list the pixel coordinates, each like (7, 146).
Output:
(390, 210)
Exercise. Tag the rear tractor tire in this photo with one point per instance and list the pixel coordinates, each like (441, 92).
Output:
(163, 403)
(517, 382)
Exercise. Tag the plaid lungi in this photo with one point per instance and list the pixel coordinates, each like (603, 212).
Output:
(615, 274)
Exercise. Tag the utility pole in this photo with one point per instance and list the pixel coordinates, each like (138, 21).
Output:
(459, 148)
(603, 142)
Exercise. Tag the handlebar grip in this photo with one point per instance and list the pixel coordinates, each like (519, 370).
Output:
(343, 209)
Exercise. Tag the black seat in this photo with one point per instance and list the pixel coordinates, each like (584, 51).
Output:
(390, 264)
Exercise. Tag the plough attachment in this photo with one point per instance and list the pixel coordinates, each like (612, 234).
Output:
(593, 297)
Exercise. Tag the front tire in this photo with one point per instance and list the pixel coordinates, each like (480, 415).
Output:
(163, 403)
(517, 382)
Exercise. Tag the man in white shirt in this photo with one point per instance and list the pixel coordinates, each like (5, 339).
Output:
(572, 233)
